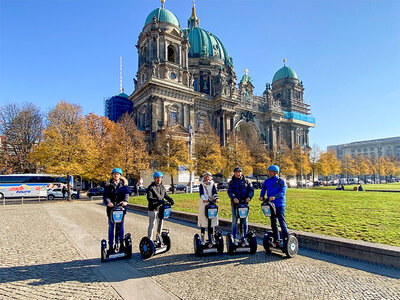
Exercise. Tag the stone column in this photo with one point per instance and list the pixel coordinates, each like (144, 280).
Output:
(154, 117)
(158, 47)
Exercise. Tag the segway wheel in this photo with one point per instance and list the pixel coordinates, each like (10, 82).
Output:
(253, 242)
(220, 242)
(146, 247)
(128, 245)
(197, 245)
(291, 247)
(266, 242)
(166, 240)
(103, 250)
(230, 243)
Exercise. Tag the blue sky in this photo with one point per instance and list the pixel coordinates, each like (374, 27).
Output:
(347, 53)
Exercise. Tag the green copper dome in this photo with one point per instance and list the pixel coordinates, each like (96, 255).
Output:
(206, 44)
(162, 15)
(283, 73)
(123, 95)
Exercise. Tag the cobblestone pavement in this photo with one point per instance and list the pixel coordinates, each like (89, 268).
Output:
(38, 262)
(242, 276)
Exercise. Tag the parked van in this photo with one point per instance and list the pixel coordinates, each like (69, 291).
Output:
(353, 181)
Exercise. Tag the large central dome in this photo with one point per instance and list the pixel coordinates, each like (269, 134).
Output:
(206, 44)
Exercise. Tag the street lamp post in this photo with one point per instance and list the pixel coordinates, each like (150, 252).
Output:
(190, 157)
(379, 162)
(299, 132)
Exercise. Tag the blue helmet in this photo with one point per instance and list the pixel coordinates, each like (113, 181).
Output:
(158, 174)
(116, 170)
(237, 169)
(273, 168)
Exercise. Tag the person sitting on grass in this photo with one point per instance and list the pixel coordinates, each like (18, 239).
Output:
(275, 188)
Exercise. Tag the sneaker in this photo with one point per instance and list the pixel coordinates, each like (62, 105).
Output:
(203, 242)
(246, 242)
(213, 241)
(236, 242)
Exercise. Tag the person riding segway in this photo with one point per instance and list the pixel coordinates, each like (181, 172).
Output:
(240, 191)
(273, 206)
(208, 217)
(158, 209)
(116, 197)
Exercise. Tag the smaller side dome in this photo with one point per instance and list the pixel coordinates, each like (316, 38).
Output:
(123, 95)
(283, 73)
(162, 15)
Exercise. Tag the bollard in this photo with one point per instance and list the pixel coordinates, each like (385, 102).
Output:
(4, 201)
(39, 197)
(91, 198)
(22, 200)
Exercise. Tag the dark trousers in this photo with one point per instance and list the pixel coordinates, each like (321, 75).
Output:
(120, 237)
(280, 215)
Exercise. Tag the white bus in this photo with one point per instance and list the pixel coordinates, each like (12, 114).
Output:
(28, 185)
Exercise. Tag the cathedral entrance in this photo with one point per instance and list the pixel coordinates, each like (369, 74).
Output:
(248, 132)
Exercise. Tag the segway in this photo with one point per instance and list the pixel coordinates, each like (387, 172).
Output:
(162, 244)
(289, 246)
(125, 251)
(242, 210)
(211, 212)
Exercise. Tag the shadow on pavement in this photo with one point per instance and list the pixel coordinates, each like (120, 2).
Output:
(358, 264)
(167, 264)
(82, 270)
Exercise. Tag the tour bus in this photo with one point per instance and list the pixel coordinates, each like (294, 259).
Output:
(28, 185)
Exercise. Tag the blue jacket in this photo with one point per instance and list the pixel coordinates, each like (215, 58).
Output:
(275, 187)
(240, 188)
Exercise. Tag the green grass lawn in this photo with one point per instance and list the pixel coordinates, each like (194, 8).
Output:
(372, 216)
(395, 186)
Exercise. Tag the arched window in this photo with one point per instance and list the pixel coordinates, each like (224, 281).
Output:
(173, 115)
(171, 54)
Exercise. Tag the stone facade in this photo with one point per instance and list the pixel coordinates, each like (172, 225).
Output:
(186, 76)
(370, 148)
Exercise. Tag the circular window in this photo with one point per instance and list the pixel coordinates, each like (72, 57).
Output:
(173, 75)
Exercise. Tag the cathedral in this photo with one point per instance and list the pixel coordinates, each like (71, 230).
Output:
(185, 76)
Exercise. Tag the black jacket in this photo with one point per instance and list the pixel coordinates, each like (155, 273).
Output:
(156, 195)
(240, 188)
(115, 193)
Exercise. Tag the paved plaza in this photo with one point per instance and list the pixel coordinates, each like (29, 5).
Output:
(51, 251)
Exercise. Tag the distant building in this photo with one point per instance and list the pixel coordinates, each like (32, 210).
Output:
(371, 148)
(116, 106)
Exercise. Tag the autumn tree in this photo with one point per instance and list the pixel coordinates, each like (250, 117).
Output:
(281, 156)
(107, 152)
(314, 157)
(236, 154)
(361, 166)
(261, 159)
(328, 164)
(134, 147)
(208, 151)
(347, 165)
(22, 128)
(66, 144)
(301, 160)
(169, 152)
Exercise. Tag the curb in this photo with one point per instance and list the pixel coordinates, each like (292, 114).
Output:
(370, 252)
